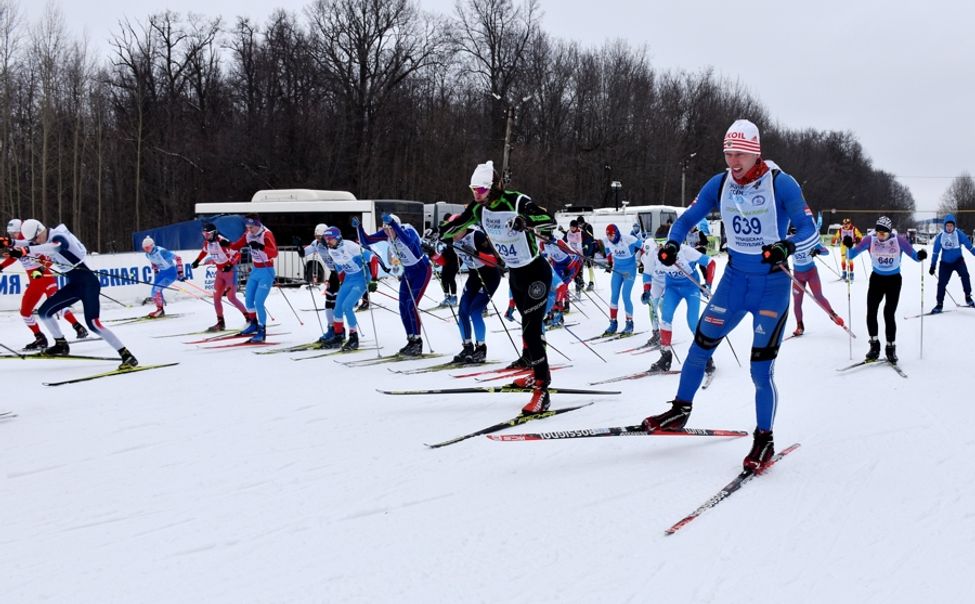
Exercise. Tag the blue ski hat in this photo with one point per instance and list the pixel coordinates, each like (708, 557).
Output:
(950, 218)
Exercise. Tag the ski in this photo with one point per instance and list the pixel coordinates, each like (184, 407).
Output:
(862, 363)
(635, 376)
(646, 347)
(232, 336)
(196, 333)
(493, 390)
(740, 481)
(515, 421)
(140, 319)
(110, 373)
(440, 367)
(896, 368)
(508, 376)
(618, 336)
(243, 344)
(393, 358)
(316, 345)
(490, 371)
(616, 431)
(5, 415)
(336, 351)
(66, 357)
(928, 314)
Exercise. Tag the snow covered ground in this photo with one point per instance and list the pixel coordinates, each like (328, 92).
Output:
(235, 477)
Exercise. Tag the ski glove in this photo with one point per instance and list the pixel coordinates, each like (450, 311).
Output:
(301, 250)
(256, 245)
(667, 254)
(848, 241)
(931, 270)
(373, 285)
(922, 254)
(195, 264)
(778, 251)
(645, 297)
(181, 277)
(16, 252)
(224, 243)
(227, 268)
(517, 223)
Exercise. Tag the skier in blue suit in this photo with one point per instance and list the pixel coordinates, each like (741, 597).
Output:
(948, 245)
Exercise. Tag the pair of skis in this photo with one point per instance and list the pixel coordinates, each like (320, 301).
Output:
(105, 374)
(512, 387)
(864, 363)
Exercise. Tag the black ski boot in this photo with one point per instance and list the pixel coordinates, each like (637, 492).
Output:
(663, 363)
(352, 343)
(218, 326)
(128, 361)
(874, 353)
(336, 341)
(520, 363)
(891, 351)
(413, 348)
(39, 343)
(674, 419)
(80, 330)
(480, 353)
(709, 368)
(464, 356)
(654, 339)
(59, 349)
(763, 448)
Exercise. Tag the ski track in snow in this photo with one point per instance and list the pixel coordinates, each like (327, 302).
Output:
(236, 477)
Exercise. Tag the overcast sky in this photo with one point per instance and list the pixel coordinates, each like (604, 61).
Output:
(898, 75)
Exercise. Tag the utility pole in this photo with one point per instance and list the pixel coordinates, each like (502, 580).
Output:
(509, 123)
(683, 179)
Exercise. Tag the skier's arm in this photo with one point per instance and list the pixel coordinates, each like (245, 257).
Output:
(936, 250)
(469, 217)
(859, 247)
(703, 204)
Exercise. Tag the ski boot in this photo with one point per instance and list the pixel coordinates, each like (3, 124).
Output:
(663, 363)
(673, 419)
(520, 363)
(444, 303)
(413, 348)
(480, 354)
(59, 349)
(557, 320)
(128, 360)
(800, 329)
(336, 341)
(453, 300)
(891, 352)
(510, 313)
(612, 328)
(159, 312)
(352, 343)
(80, 331)
(565, 307)
(844, 276)
(591, 286)
(251, 328)
(851, 276)
(539, 402)
(874, 353)
(328, 335)
(464, 356)
(259, 336)
(709, 368)
(763, 448)
(628, 326)
(837, 319)
(937, 310)
(39, 343)
(969, 302)
(364, 305)
(654, 339)
(218, 326)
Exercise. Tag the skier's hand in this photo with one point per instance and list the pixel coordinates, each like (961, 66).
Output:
(517, 223)
(354, 222)
(931, 270)
(16, 252)
(195, 263)
(181, 277)
(227, 268)
(848, 241)
(922, 254)
(814, 252)
(224, 243)
(645, 297)
(667, 254)
(373, 285)
(778, 252)
(301, 250)
(256, 245)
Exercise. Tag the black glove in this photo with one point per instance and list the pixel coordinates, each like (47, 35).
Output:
(373, 285)
(667, 254)
(922, 254)
(195, 263)
(224, 243)
(848, 241)
(778, 251)
(16, 252)
(518, 223)
(181, 277)
(301, 250)
(227, 268)
(639, 267)
(608, 268)
(814, 252)
(256, 245)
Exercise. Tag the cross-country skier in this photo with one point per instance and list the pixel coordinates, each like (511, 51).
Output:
(483, 277)
(405, 242)
(885, 246)
(216, 250)
(67, 251)
(513, 222)
(567, 264)
(264, 249)
(622, 251)
(590, 245)
(805, 271)
(847, 230)
(573, 237)
(351, 262)
(679, 281)
(757, 201)
(40, 282)
(317, 248)
(951, 240)
(650, 295)
(167, 268)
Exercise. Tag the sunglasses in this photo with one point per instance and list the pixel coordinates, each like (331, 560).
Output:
(480, 190)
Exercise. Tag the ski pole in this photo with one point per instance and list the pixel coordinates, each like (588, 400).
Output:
(5, 347)
(419, 309)
(416, 309)
(707, 296)
(586, 344)
(849, 314)
(785, 269)
(922, 310)
(823, 262)
(281, 289)
(314, 306)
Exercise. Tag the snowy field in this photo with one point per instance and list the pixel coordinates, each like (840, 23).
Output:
(236, 477)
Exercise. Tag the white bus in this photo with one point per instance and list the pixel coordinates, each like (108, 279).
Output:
(292, 214)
